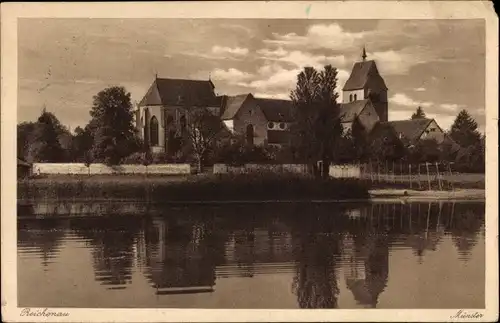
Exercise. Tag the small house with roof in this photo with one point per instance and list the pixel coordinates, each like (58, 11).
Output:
(162, 114)
(261, 121)
(410, 132)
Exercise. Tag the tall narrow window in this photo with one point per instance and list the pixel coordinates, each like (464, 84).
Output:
(249, 135)
(350, 97)
(355, 97)
(183, 123)
(153, 131)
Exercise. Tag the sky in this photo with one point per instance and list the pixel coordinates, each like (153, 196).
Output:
(63, 63)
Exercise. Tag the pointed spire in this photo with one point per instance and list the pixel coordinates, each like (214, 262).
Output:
(364, 54)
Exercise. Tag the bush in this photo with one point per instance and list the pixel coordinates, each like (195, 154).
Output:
(254, 186)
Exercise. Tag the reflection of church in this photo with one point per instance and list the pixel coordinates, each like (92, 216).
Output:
(367, 266)
(177, 260)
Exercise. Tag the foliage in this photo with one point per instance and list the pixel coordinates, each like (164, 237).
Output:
(238, 152)
(317, 129)
(254, 186)
(425, 151)
(46, 146)
(25, 137)
(464, 130)
(202, 131)
(419, 114)
(112, 128)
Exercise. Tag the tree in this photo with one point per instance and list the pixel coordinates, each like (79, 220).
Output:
(81, 143)
(317, 130)
(46, 146)
(419, 114)
(202, 131)
(464, 130)
(25, 139)
(88, 158)
(113, 131)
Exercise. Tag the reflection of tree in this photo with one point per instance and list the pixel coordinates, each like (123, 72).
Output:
(178, 257)
(112, 241)
(315, 283)
(465, 226)
(45, 236)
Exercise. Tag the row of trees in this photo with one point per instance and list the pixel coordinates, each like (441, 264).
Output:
(316, 135)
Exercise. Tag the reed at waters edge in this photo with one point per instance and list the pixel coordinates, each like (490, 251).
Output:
(222, 187)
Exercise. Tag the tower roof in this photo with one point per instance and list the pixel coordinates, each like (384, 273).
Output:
(361, 74)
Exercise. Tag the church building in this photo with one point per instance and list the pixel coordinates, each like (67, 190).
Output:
(163, 114)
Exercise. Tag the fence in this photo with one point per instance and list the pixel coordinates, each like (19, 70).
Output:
(426, 176)
(101, 169)
(248, 168)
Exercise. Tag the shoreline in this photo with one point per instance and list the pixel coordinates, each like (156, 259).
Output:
(378, 195)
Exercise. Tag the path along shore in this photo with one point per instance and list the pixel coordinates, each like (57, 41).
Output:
(414, 195)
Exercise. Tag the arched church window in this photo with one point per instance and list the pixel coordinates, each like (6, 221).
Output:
(153, 131)
(350, 97)
(355, 97)
(249, 135)
(183, 123)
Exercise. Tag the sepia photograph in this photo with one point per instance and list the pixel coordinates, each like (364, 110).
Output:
(250, 163)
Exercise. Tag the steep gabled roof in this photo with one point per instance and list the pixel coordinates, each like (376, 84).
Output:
(361, 74)
(166, 91)
(410, 130)
(233, 105)
(349, 111)
(276, 110)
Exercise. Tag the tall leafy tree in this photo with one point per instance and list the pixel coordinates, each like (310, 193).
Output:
(25, 132)
(419, 114)
(317, 129)
(464, 130)
(202, 132)
(46, 146)
(113, 131)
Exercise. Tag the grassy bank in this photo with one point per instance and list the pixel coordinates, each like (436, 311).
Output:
(259, 186)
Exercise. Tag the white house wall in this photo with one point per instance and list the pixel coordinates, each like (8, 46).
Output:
(433, 132)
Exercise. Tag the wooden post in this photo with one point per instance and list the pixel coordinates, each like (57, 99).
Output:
(409, 174)
(371, 171)
(451, 177)
(401, 170)
(419, 184)
(428, 176)
(386, 176)
(439, 179)
(378, 172)
(393, 172)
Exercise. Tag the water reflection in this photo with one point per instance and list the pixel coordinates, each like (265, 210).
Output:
(327, 250)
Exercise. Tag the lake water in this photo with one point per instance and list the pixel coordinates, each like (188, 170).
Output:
(283, 256)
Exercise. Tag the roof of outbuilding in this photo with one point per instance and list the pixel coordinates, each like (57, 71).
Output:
(349, 111)
(233, 105)
(360, 74)
(276, 110)
(411, 130)
(167, 91)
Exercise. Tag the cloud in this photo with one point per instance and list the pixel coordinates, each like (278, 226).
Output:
(300, 59)
(232, 75)
(451, 106)
(220, 53)
(420, 89)
(398, 62)
(331, 36)
(404, 100)
(236, 51)
(280, 96)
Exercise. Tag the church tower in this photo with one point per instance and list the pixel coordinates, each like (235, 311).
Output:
(365, 82)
